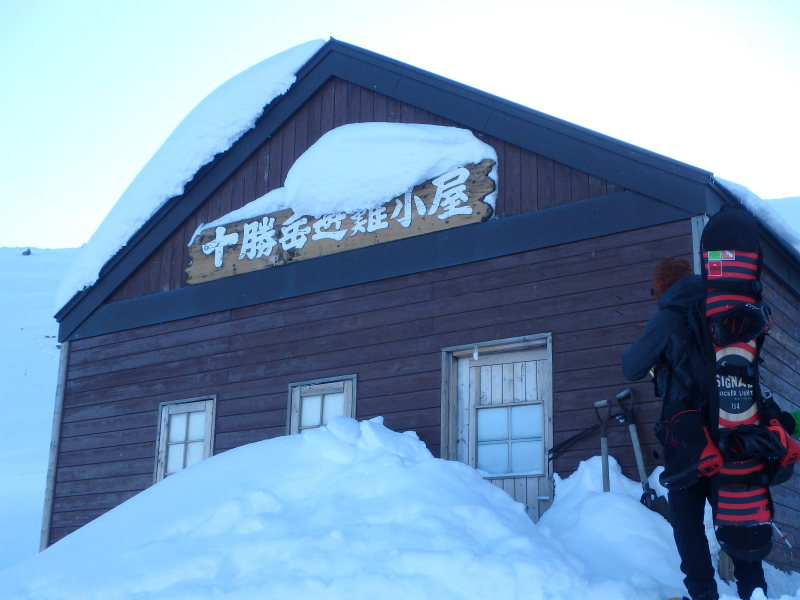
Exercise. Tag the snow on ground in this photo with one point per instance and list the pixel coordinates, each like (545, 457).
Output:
(354, 510)
(29, 357)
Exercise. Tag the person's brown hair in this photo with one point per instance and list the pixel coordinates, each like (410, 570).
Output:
(667, 272)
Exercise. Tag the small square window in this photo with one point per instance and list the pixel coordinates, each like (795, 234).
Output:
(313, 403)
(186, 435)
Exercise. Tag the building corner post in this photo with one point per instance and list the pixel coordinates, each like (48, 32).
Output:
(54, 444)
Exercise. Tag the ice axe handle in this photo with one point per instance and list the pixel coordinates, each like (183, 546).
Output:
(604, 438)
(625, 399)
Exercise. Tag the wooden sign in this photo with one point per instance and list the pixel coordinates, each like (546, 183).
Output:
(453, 199)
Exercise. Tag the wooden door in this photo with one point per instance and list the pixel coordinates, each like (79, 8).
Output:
(504, 421)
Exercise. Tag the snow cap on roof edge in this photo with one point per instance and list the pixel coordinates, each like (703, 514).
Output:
(764, 212)
(211, 128)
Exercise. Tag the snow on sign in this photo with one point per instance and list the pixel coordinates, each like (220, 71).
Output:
(453, 199)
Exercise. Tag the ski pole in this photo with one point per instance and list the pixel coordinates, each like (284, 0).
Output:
(625, 399)
(604, 438)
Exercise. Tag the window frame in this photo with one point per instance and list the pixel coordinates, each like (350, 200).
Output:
(541, 439)
(165, 410)
(344, 383)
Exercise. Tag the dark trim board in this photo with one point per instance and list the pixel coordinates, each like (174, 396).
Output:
(628, 166)
(583, 220)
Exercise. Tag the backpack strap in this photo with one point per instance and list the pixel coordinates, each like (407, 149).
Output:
(701, 369)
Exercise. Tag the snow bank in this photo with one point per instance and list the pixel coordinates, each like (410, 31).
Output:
(351, 511)
(363, 165)
(348, 511)
(211, 128)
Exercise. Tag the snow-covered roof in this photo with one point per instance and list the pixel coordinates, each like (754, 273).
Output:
(347, 166)
(765, 213)
(209, 129)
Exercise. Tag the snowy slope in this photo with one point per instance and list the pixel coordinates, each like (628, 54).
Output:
(28, 369)
(356, 511)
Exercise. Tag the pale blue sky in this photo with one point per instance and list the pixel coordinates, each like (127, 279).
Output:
(90, 89)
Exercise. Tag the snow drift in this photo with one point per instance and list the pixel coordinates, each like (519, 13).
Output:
(354, 510)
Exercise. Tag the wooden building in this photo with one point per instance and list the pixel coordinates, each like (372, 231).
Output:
(519, 319)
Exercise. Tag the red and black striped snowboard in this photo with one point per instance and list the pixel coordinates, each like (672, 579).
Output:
(731, 270)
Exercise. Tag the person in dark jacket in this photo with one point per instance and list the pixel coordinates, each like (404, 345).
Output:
(690, 457)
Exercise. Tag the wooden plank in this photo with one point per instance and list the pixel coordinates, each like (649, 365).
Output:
(165, 267)
(545, 184)
(579, 185)
(529, 175)
(327, 101)
(314, 126)
(260, 420)
(109, 439)
(126, 452)
(531, 393)
(340, 103)
(249, 175)
(562, 184)
(353, 109)
(158, 356)
(287, 148)
(521, 491)
(262, 169)
(508, 382)
(176, 273)
(380, 108)
(301, 118)
(518, 394)
(406, 114)
(393, 111)
(410, 419)
(597, 186)
(466, 387)
(128, 483)
(58, 533)
(485, 380)
(532, 496)
(119, 468)
(94, 501)
(511, 180)
(108, 425)
(183, 386)
(76, 518)
(366, 102)
(235, 439)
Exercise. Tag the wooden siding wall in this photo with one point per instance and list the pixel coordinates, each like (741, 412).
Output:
(781, 374)
(594, 296)
(527, 181)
